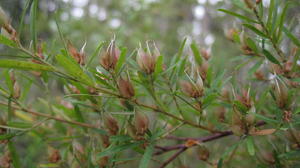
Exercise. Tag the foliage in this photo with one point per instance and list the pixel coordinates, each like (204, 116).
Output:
(136, 107)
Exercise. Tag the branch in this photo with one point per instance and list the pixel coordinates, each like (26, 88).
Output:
(182, 147)
(52, 117)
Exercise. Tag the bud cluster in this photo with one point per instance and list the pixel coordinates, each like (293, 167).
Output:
(147, 59)
(110, 57)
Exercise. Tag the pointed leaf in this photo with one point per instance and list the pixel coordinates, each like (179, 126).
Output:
(196, 53)
(24, 65)
(270, 57)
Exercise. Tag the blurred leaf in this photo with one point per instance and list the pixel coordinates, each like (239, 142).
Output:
(14, 156)
(24, 65)
(197, 54)
(95, 53)
(250, 145)
(73, 69)
(255, 30)
(270, 14)
(121, 60)
(33, 18)
(147, 156)
(158, 66)
(251, 44)
(7, 136)
(266, 119)
(116, 149)
(4, 40)
(238, 15)
(282, 19)
(270, 57)
(294, 39)
(220, 163)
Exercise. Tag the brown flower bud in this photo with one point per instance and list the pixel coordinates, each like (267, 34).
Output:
(203, 153)
(147, 60)
(191, 89)
(16, 86)
(250, 118)
(125, 88)
(105, 141)
(54, 156)
(267, 157)
(5, 160)
(237, 130)
(247, 50)
(287, 116)
(111, 124)
(110, 57)
(203, 68)
(103, 162)
(258, 1)
(288, 66)
(220, 113)
(141, 123)
(8, 31)
(249, 4)
(259, 75)
(131, 130)
(281, 94)
(245, 98)
(205, 54)
(78, 56)
(231, 33)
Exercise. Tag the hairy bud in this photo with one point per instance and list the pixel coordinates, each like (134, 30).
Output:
(231, 33)
(258, 1)
(105, 141)
(125, 88)
(147, 60)
(141, 123)
(194, 90)
(110, 57)
(16, 86)
(54, 156)
(78, 56)
(205, 54)
(203, 153)
(281, 94)
(111, 124)
(249, 4)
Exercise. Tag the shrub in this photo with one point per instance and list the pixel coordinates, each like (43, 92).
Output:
(138, 107)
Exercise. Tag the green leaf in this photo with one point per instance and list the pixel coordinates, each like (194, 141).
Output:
(250, 145)
(14, 155)
(197, 54)
(158, 66)
(147, 156)
(255, 30)
(238, 15)
(270, 57)
(180, 51)
(121, 60)
(6, 136)
(24, 65)
(33, 18)
(251, 44)
(220, 163)
(294, 39)
(282, 19)
(95, 53)
(4, 40)
(271, 9)
(117, 149)
(266, 119)
(73, 69)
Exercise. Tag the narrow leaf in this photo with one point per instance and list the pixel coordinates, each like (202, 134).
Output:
(33, 18)
(117, 149)
(73, 69)
(238, 15)
(270, 57)
(24, 65)
(146, 157)
(121, 60)
(196, 53)
(5, 41)
(158, 66)
(250, 146)
(294, 39)
(255, 30)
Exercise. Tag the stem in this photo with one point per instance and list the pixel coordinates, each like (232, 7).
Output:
(51, 117)
(277, 49)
